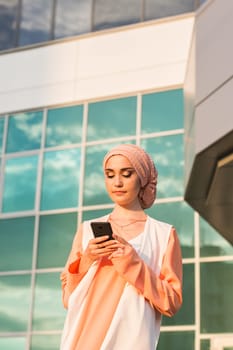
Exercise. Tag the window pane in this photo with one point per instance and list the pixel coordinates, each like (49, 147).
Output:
(186, 314)
(162, 111)
(13, 343)
(216, 297)
(8, 23)
(56, 233)
(24, 132)
(20, 184)
(48, 342)
(205, 344)
(181, 216)
(36, 21)
(117, 118)
(72, 17)
(167, 153)
(113, 13)
(15, 300)
(60, 179)
(94, 186)
(158, 9)
(16, 243)
(211, 242)
(2, 120)
(49, 313)
(176, 341)
(92, 214)
(64, 126)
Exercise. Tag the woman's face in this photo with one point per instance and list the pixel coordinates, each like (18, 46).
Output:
(122, 181)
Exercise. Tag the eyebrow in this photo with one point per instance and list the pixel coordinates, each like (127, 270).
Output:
(122, 169)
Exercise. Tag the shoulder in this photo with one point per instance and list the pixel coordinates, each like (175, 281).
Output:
(160, 224)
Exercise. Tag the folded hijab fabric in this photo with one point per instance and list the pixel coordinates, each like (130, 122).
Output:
(144, 167)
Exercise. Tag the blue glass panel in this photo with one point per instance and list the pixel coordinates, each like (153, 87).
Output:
(2, 120)
(64, 126)
(42, 342)
(113, 13)
(56, 232)
(216, 297)
(72, 17)
(20, 184)
(15, 300)
(113, 118)
(36, 21)
(92, 214)
(8, 23)
(158, 9)
(162, 111)
(13, 343)
(60, 179)
(16, 243)
(176, 341)
(211, 242)
(181, 216)
(49, 313)
(24, 132)
(168, 155)
(186, 313)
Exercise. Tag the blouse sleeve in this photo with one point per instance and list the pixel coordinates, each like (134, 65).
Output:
(70, 276)
(164, 292)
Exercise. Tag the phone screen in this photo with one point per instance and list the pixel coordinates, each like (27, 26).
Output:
(101, 229)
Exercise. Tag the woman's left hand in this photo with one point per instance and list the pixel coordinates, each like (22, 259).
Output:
(122, 247)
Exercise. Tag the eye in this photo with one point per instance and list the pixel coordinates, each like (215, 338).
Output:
(127, 173)
(109, 174)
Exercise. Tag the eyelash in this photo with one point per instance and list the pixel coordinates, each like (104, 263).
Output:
(124, 175)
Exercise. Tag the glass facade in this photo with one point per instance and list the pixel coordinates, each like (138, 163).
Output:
(26, 22)
(51, 179)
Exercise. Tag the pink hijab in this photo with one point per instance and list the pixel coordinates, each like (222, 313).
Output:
(144, 167)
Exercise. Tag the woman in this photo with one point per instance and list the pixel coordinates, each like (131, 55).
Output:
(116, 290)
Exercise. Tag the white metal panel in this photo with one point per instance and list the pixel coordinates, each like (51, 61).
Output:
(141, 57)
(214, 27)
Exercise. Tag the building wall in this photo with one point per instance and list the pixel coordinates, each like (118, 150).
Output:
(66, 106)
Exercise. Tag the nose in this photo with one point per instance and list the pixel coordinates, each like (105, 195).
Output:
(118, 181)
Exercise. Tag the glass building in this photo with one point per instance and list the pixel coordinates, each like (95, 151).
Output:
(53, 136)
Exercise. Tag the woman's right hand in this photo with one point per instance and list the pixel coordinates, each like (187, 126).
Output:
(99, 247)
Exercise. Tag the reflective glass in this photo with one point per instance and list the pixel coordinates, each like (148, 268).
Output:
(61, 172)
(64, 126)
(72, 17)
(167, 153)
(117, 118)
(2, 120)
(56, 233)
(205, 344)
(216, 297)
(113, 13)
(20, 184)
(24, 131)
(13, 343)
(160, 8)
(36, 21)
(16, 243)
(162, 111)
(15, 300)
(211, 242)
(186, 313)
(181, 216)
(94, 186)
(92, 214)
(49, 313)
(176, 341)
(48, 342)
(8, 23)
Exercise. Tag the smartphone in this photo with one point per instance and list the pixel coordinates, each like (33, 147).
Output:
(101, 229)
